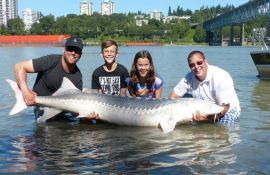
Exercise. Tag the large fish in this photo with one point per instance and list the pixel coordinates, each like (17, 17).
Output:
(115, 109)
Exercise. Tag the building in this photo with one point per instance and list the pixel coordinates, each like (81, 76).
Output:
(168, 19)
(86, 7)
(156, 15)
(139, 17)
(141, 22)
(29, 17)
(107, 7)
(8, 10)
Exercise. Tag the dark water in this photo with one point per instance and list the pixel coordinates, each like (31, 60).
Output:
(72, 148)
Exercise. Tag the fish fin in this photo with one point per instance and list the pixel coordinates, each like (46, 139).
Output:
(167, 124)
(66, 87)
(47, 114)
(20, 104)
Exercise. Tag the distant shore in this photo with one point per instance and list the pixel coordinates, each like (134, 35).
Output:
(32, 40)
(59, 40)
(90, 44)
(31, 44)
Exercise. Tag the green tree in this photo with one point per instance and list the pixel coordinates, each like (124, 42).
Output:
(47, 24)
(3, 30)
(170, 11)
(15, 26)
(180, 29)
(200, 35)
(61, 25)
(36, 29)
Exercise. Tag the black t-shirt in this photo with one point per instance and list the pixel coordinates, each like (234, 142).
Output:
(110, 82)
(50, 75)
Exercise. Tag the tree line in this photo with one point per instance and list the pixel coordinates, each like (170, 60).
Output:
(122, 27)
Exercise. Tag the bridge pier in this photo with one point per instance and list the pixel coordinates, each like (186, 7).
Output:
(241, 41)
(231, 41)
(221, 37)
(242, 36)
(215, 42)
(215, 37)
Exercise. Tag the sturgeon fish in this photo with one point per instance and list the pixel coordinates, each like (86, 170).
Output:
(131, 111)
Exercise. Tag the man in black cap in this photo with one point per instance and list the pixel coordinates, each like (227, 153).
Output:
(50, 71)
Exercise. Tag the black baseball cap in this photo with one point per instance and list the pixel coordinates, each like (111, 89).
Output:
(74, 42)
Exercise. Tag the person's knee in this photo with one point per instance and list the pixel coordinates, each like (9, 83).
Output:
(230, 118)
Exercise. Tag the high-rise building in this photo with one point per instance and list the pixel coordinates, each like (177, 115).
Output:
(8, 10)
(107, 7)
(86, 7)
(29, 18)
(156, 15)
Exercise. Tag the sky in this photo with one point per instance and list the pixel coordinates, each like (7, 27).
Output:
(64, 7)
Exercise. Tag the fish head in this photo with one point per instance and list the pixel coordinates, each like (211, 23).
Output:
(208, 108)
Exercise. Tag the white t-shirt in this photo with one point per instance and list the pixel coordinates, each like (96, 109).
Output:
(217, 87)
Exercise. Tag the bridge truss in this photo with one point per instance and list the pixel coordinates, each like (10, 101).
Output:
(241, 14)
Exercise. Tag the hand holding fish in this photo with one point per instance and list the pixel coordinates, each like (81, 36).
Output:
(29, 97)
(199, 117)
(89, 117)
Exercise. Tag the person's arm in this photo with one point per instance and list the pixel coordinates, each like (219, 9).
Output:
(201, 118)
(96, 88)
(100, 91)
(20, 70)
(87, 90)
(158, 92)
(182, 87)
(123, 91)
(158, 86)
(173, 95)
(125, 78)
(130, 92)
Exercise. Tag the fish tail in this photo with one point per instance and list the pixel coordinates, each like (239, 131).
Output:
(20, 104)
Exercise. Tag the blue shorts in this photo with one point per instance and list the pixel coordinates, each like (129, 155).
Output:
(230, 118)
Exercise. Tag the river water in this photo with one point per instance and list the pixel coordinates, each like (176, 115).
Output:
(73, 148)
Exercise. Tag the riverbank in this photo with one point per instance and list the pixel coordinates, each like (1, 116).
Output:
(59, 40)
(130, 43)
(33, 40)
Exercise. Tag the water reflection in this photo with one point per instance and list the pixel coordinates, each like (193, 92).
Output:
(19, 158)
(103, 148)
(210, 148)
(261, 95)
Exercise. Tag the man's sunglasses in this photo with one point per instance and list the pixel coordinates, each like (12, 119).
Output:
(198, 63)
(74, 49)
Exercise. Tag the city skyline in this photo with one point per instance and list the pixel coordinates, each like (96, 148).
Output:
(62, 7)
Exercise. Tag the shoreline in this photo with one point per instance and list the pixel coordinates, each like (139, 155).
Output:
(32, 40)
(60, 44)
(31, 44)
